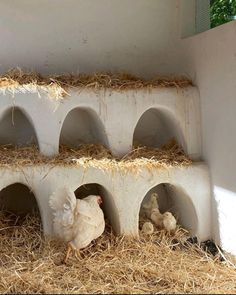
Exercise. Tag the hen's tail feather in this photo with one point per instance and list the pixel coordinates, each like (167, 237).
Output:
(54, 202)
(62, 197)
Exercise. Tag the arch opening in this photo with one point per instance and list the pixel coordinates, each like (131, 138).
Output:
(108, 206)
(175, 200)
(18, 199)
(82, 126)
(156, 127)
(16, 129)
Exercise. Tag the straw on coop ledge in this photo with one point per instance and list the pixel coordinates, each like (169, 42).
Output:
(96, 155)
(56, 86)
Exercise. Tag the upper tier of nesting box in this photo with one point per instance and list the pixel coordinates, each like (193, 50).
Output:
(118, 111)
(57, 86)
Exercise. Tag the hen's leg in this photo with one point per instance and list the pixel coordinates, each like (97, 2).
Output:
(67, 253)
(77, 254)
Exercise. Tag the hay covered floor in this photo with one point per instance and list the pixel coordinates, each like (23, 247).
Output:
(98, 156)
(56, 86)
(30, 263)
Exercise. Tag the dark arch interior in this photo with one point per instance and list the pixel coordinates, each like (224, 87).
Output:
(155, 128)
(82, 126)
(173, 199)
(107, 206)
(16, 129)
(18, 199)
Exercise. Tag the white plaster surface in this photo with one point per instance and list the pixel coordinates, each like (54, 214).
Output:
(122, 199)
(54, 36)
(16, 128)
(211, 60)
(110, 118)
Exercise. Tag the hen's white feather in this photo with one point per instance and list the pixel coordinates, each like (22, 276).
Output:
(62, 199)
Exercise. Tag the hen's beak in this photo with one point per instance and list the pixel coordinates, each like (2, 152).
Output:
(99, 200)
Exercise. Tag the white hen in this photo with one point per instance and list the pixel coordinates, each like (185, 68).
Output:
(76, 221)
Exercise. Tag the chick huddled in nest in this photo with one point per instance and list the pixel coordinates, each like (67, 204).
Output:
(150, 210)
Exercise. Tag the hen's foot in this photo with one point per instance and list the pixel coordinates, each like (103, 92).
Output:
(69, 249)
(78, 254)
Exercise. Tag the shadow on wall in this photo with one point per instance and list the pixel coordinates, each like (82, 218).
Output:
(173, 199)
(82, 126)
(18, 199)
(108, 205)
(155, 127)
(16, 129)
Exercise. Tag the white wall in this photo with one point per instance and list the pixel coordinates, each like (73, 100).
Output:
(211, 58)
(138, 36)
(156, 127)
(82, 126)
(16, 128)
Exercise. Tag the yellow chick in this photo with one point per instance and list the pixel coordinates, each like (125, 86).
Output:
(169, 222)
(150, 205)
(157, 218)
(147, 228)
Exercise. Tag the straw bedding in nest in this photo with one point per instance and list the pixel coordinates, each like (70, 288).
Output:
(96, 155)
(159, 263)
(57, 85)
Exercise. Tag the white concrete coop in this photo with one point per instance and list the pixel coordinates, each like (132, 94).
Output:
(113, 118)
(117, 120)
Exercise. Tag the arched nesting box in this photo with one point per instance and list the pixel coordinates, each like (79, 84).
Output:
(82, 126)
(156, 126)
(108, 206)
(16, 128)
(18, 199)
(174, 199)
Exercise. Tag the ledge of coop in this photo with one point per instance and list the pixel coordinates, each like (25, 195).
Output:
(57, 86)
(83, 109)
(124, 182)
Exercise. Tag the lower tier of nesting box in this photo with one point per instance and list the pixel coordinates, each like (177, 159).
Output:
(183, 190)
